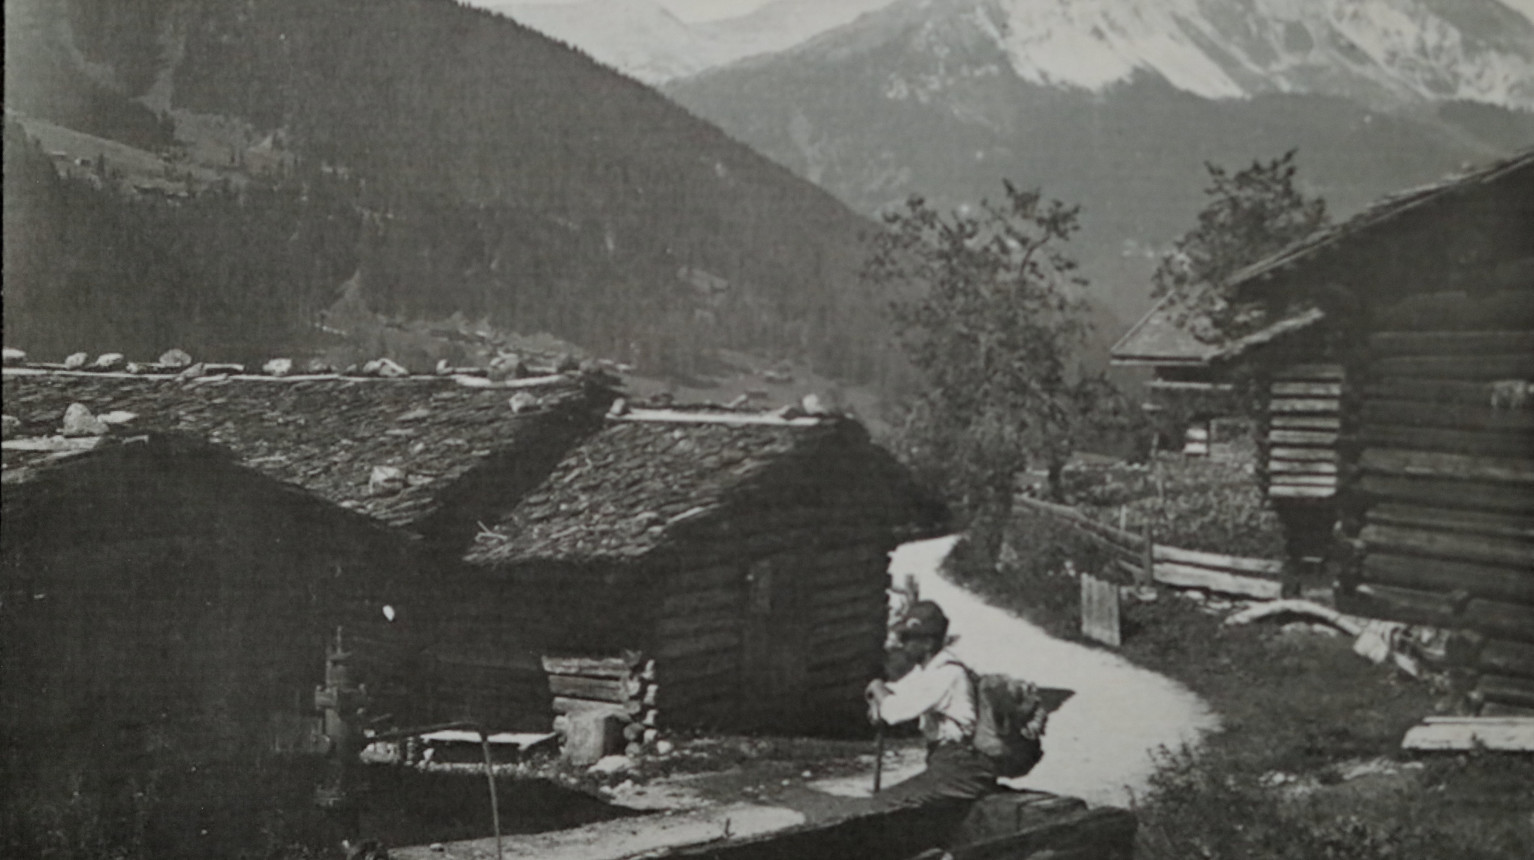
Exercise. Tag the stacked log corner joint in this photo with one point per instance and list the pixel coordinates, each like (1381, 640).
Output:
(623, 686)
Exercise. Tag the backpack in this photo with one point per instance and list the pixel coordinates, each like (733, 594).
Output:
(1009, 722)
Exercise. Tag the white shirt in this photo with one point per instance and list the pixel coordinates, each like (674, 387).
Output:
(939, 693)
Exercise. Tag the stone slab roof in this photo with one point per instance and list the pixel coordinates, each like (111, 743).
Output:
(642, 483)
(326, 434)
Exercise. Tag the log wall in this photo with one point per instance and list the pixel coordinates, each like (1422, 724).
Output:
(163, 625)
(781, 640)
(1443, 522)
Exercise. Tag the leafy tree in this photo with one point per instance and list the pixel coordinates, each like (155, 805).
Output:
(991, 319)
(1251, 214)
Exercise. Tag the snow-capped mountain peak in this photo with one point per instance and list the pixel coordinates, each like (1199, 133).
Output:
(1398, 50)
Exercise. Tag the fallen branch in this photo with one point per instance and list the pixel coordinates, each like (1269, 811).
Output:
(1346, 623)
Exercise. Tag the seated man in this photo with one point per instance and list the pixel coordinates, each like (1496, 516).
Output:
(938, 692)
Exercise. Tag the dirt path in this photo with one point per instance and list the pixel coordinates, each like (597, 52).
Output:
(1099, 745)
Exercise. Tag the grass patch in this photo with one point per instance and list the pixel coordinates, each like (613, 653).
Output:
(1307, 763)
(1193, 503)
(1303, 715)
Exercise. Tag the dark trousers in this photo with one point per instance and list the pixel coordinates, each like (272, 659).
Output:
(955, 772)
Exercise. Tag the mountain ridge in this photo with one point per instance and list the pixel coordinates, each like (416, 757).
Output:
(520, 182)
(923, 97)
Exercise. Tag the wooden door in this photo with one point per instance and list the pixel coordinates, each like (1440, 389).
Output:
(774, 652)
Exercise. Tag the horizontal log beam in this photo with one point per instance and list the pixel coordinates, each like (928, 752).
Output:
(1503, 620)
(1472, 733)
(864, 591)
(1392, 461)
(566, 705)
(1301, 467)
(1320, 455)
(1239, 564)
(1285, 492)
(1474, 443)
(675, 626)
(1305, 389)
(620, 666)
(1282, 480)
(1507, 658)
(1392, 343)
(1290, 405)
(1497, 709)
(1449, 545)
(1305, 422)
(1310, 371)
(724, 598)
(683, 669)
(1440, 391)
(1302, 437)
(1411, 605)
(616, 690)
(1189, 576)
(849, 613)
(1457, 311)
(1515, 365)
(1507, 690)
(869, 651)
(687, 646)
(1452, 520)
(1437, 575)
(694, 579)
(1450, 493)
(1452, 416)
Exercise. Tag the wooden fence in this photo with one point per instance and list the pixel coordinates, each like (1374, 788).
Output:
(1148, 561)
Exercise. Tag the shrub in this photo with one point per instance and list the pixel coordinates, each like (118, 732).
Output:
(1037, 573)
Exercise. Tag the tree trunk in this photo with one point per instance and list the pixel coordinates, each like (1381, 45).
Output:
(989, 523)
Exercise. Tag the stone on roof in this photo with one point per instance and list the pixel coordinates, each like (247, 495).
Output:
(647, 479)
(326, 434)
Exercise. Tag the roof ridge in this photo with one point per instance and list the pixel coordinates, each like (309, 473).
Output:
(678, 416)
(466, 380)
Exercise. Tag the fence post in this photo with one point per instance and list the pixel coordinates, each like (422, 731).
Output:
(1147, 573)
(1100, 610)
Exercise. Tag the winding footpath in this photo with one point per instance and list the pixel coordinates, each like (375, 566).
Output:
(1100, 745)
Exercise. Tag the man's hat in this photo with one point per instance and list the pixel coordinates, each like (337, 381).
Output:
(924, 619)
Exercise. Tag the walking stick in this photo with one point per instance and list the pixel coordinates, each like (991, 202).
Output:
(878, 754)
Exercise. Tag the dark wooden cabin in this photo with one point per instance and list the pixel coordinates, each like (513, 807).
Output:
(429, 453)
(746, 555)
(434, 455)
(165, 613)
(1405, 405)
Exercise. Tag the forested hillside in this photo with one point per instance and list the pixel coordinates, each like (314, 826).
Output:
(456, 160)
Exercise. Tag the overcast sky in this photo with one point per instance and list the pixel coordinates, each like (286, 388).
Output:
(706, 10)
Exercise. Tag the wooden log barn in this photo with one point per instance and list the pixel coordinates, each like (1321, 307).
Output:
(434, 455)
(165, 613)
(1408, 400)
(170, 601)
(741, 558)
(1397, 428)
(719, 568)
